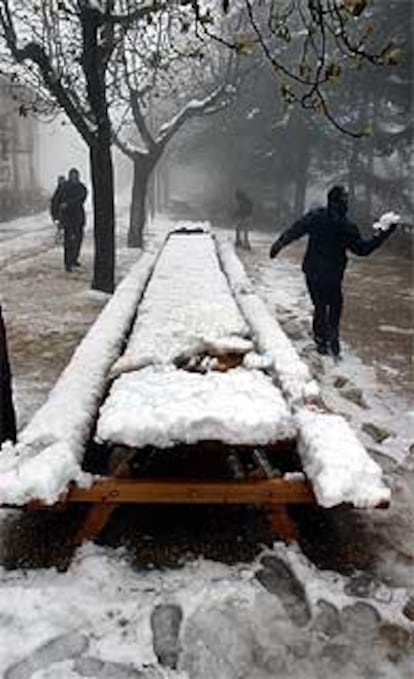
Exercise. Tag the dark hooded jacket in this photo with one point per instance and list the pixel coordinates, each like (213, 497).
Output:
(55, 203)
(72, 195)
(331, 235)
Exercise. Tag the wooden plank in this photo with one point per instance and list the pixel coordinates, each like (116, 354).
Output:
(149, 491)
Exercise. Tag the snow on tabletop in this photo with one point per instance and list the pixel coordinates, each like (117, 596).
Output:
(49, 450)
(336, 463)
(292, 373)
(162, 406)
(187, 307)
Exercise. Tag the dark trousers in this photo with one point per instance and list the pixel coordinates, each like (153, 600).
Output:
(242, 230)
(73, 236)
(7, 415)
(326, 295)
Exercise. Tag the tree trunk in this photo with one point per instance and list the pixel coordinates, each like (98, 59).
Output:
(137, 215)
(7, 415)
(104, 215)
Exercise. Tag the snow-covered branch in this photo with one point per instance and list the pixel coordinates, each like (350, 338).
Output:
(129, 150)
(140, 121)
(194, 108)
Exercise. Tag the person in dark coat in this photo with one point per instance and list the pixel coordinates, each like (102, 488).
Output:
(7, 414)
(72, 196)
(55, 208)
(243, 215)
(330, 235)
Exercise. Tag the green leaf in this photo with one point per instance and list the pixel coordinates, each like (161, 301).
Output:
(355, 7)
(243, 49)
(333, 72)
(393, 56)
(287, 93)
(304, 70)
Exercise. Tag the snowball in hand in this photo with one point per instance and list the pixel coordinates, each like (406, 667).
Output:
(386, 220)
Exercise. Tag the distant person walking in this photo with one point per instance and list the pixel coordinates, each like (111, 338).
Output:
(243, 215)
(71, 198)
(55, 208)
(7, 415)
(331, 234)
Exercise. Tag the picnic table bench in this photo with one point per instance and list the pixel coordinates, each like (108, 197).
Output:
(185, 362)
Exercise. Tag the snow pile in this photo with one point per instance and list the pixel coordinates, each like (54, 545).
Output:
(187, 307)
(336, 462)
(386, 220)
(162, 406)
(49, 450)
(291, 372)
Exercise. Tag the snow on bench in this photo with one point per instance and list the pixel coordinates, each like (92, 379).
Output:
(290, 371)
(334, 460)
(49, 451)
(340, 469)
(187, 307)
(163, 406)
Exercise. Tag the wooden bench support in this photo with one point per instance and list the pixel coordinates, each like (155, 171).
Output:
(109, 493)
(154, 491)
(282, 524)
(99, 514)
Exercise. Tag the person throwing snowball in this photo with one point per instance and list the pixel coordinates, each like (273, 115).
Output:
(331, 235)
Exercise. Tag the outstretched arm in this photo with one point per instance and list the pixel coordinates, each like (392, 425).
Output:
(297, 230)
(364, 246)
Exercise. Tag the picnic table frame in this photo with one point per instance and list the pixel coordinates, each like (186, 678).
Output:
(108, 493)
(121, 486)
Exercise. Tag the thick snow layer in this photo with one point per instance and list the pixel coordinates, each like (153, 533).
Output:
(386, 220)
(98, 613)
(49, 450)
(161, 406)
(336, 462)
(291, 372)
(187, 307)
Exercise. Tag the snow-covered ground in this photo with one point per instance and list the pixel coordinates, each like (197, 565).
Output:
(25, 236)
(278, 616)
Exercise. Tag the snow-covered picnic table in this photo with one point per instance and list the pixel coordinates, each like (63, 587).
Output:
(190, 354)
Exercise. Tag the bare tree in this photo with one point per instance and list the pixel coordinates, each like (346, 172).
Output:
(62, 49)
(309, 44)
(164, 77)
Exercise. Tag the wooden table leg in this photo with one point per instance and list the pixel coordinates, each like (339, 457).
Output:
(282, 523)
(99, 514)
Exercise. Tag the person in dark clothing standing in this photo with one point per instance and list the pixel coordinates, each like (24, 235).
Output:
(243, 217)
(55, 208)
(330, 234)
(72, 196)
(7, 414)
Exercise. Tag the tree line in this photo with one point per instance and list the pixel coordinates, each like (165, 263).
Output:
(131, 73)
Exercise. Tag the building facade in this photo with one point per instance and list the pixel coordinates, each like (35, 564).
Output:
(18, 182)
